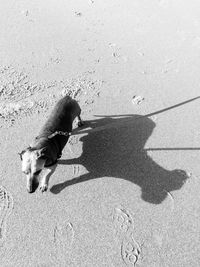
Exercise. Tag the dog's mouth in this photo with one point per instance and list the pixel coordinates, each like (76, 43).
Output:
(37, 172)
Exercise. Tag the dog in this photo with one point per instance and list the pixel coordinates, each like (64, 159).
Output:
(47, 147)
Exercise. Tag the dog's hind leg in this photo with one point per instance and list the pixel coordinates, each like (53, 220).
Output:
(77, 113)
(80, 122)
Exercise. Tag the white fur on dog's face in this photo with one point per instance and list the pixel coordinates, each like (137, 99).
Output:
(31, 163)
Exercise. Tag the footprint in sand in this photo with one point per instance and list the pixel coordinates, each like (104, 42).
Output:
(130, 250)
(63, 238)
(76, 170)
(6, 206)
(137, 100)
(122, 221)
(124, 226)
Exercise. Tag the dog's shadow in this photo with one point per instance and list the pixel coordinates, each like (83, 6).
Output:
(114, 147)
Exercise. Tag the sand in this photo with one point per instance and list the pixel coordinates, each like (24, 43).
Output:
(126, 190)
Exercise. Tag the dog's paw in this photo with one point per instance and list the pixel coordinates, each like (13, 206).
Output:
(43, 188)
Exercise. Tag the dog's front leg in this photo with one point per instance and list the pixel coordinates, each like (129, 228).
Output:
(45, 176)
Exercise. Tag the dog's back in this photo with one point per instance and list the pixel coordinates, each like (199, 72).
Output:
(61, 117)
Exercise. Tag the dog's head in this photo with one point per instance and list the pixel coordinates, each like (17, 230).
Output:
(33, 161)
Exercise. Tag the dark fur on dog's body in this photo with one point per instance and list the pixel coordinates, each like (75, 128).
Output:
(48, 145)
(60, 119)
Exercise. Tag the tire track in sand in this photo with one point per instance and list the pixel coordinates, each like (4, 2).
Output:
(6, 206)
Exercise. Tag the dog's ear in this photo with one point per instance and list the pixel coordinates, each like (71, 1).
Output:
(41, 152)
(21, 153)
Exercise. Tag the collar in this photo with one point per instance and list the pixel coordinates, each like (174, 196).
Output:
(59, 133)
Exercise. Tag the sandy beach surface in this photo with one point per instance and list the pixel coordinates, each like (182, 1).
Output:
(126, 190)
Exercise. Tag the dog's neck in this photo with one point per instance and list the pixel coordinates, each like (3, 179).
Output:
(53, 147)
(40, 142)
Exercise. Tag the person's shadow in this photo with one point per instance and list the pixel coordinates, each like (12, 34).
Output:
(114, 147)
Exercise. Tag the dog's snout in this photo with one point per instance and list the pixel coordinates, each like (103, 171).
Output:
(32, 183)
(29, 184)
